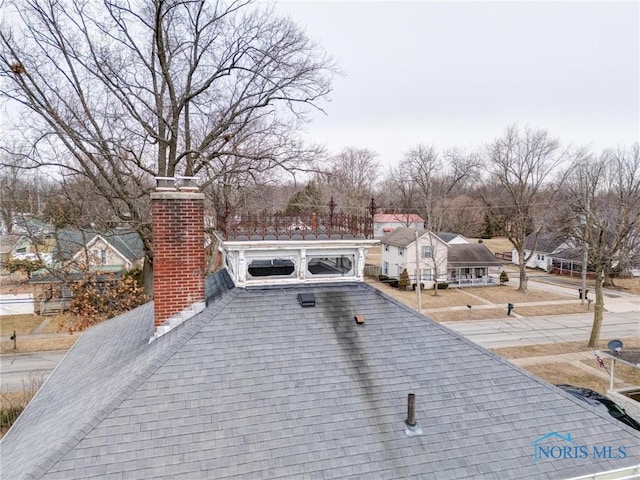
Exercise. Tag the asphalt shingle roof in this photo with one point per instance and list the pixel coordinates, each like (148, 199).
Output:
(402, 236)
(472, 254)
(546, 242)
(256, 386)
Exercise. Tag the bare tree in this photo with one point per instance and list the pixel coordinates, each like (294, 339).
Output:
(463, 214)
(20, 193)
(127, 91)
(519, 166)
(601, 196)
(351, 177)
(436, 177)
(398, 193)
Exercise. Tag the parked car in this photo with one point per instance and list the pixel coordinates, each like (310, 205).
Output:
(598, 400)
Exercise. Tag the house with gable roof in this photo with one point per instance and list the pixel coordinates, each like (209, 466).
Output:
(540, 249)
(460, 264)
(285, 364)
(108, 253)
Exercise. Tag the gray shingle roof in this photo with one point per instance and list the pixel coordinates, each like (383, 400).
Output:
(546, 242)
(256, 386)
(447, 236)
(472, 254)
(402, 236)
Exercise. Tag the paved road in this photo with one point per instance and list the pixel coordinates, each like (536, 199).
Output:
(18, 371)
(546, 329)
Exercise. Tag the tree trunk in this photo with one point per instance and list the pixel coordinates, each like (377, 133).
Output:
(522, 265)
(598, 311)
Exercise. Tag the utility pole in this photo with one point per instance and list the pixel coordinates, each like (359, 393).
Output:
(418, 276)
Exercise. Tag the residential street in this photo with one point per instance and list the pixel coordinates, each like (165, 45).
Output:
(18, 371)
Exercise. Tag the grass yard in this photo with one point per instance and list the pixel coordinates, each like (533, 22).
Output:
(21, 324)
(555, 371)
(556, 348)
(565, 372)
(504, 294)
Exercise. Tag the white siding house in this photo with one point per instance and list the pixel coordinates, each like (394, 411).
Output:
(399, 252)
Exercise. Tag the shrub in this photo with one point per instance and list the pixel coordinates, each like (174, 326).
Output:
(403, 282)
(97, 297)
(504, 277)
(442, 286)
(393, 282)
(383, 278)
(421, 286)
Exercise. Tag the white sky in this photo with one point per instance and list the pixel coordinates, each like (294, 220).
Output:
(457, 73)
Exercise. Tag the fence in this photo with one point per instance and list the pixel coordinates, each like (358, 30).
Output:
(372, 271)
(504, 256)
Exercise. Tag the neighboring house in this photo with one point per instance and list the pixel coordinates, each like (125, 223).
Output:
(118, 248)
(552, 253)
(542, 247)
(110, 253)
(34, 249)
(384, 223)
(454, 238)
(460, 264)
(304, 379)
(398, 252)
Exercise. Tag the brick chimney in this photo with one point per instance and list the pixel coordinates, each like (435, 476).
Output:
(178, 249)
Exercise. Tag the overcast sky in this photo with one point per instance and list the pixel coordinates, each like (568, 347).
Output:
(457, 73)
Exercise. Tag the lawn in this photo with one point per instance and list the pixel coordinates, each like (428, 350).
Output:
(21, 324)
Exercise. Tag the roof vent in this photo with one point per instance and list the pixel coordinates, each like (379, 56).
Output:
(359, 319)
(412, 428)
(307, 300)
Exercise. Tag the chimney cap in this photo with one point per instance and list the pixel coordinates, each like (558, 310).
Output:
(165, 184)
(186, 184)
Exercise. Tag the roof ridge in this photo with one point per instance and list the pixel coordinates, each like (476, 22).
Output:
(160, 353)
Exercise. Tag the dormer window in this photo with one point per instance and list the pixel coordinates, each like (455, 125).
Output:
(401, 251)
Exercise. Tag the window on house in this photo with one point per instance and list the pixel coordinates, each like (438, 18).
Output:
(426, 251)
(385, 268)
(400, 251)
(272, 267)
(400, 269)
(426, 275)
(330, 266)
(103, 256)
(21, 250)
(386, 247)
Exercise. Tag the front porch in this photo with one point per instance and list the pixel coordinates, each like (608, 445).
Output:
(462, 277)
